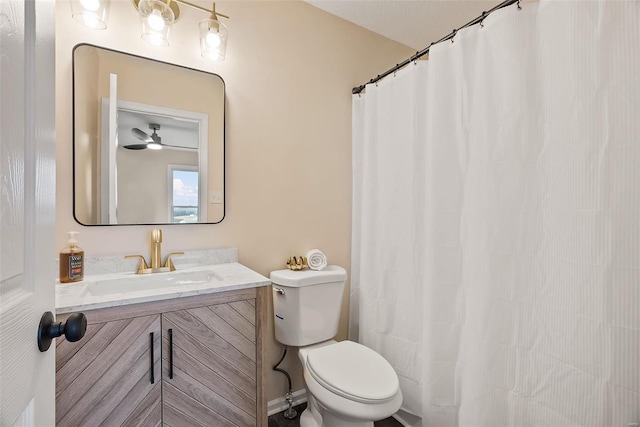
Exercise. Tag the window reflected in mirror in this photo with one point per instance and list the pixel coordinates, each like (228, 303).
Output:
(184, 194)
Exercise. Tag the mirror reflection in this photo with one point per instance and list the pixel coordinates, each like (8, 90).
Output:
(148, 141)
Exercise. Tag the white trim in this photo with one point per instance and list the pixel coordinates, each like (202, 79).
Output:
(107, 202)
(113, 145)
(280, 404)
(27, 418)
(407, 419)
(104, 165)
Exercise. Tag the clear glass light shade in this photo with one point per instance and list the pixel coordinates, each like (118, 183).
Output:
(156, 19)
(91, 13)
(213, 39)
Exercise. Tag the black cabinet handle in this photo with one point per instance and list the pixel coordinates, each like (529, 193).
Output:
(153, 368)
(73, 329)
(170, 353)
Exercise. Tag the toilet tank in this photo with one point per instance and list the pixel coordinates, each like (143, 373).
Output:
(306, 304)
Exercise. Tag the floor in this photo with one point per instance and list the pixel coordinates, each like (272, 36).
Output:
(278, 420)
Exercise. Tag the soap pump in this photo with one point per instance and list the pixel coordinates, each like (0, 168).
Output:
(71, 261)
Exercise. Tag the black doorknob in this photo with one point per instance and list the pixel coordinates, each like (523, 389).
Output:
(73, 329)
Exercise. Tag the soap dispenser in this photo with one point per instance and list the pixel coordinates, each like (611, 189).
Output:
(71, 261)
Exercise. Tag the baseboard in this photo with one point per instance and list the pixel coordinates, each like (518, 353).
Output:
(280, 404)
(407, 419)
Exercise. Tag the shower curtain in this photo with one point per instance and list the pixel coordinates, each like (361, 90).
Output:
(496, 220)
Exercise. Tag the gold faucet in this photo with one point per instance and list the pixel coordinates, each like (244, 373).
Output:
(156, 248)
(156, 257)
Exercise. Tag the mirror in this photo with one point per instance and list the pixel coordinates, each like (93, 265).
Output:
(148, 141)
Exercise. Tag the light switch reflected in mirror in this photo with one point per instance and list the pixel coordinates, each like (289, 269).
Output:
(148, 141)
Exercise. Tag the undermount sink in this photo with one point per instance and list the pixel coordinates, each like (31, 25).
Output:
(145, 282)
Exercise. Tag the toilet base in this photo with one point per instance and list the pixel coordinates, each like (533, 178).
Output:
(306, 419)
(316, 416)
(310, 417)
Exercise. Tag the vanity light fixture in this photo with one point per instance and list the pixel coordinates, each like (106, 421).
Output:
(156, 19)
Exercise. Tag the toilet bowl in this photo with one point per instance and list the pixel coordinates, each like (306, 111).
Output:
(348, 385)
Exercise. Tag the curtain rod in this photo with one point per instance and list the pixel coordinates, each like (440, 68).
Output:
(358, 89)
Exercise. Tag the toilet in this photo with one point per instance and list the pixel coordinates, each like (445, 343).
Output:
(348, 384)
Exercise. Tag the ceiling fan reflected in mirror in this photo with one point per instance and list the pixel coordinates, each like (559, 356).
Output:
(153, 141)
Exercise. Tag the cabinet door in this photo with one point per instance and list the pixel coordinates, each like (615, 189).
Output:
(106, 378)
(209, 368)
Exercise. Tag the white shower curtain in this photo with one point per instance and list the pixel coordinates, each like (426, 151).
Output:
(496, 220)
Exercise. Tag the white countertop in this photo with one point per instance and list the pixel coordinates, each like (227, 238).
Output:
(116, 289)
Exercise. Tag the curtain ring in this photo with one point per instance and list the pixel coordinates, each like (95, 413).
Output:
(453, 35)
(484, 15)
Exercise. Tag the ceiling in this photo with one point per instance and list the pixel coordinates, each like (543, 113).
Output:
(173, 131)
(414, 23)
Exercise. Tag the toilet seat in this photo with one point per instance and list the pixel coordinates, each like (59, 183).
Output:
(354, 372)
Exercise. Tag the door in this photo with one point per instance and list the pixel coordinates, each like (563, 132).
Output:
(108, 170)
(209, 366)
(27, 210)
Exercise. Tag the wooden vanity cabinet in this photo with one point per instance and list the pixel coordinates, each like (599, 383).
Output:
(105, 377)
(206, 352)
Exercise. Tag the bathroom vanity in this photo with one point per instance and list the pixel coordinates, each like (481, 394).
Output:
(178, 349)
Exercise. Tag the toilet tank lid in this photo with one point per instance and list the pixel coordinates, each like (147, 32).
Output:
(332, 273)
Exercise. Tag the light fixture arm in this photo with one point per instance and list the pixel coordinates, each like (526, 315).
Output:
(213, 12)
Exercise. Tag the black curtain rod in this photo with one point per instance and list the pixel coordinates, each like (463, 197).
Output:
(424, 51)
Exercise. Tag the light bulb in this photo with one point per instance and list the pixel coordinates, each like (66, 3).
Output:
(91, 5)
(90, 20)
(91, 13)
(213, 39)
(155, 39)
(155, 21)
(154, 146)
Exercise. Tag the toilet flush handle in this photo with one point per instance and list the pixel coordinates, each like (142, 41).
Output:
(278, 290)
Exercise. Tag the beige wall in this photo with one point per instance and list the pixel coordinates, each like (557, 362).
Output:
(289, 72)
(143, 183)
(87, 186)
